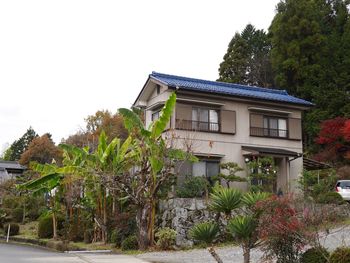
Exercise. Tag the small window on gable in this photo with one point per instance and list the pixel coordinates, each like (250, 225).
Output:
(155, 115)
(158, 89)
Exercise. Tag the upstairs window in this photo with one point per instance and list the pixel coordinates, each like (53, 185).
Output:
(275, 127)
(205, 119)
(158, 89)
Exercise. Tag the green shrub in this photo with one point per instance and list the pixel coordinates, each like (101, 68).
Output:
(340, 255)
(17, 214)
(57, 245)
(192, 187)
(166, 238)
(14, 229)
(45, 229)
(330, 198)
(315, 255)
(130, 243)
(115, 237)
(88, 233)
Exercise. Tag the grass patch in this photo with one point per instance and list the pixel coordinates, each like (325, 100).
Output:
(92, 246)
(29, 230)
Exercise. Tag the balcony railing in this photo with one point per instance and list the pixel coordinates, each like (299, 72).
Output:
(266, 132)
(197, 125)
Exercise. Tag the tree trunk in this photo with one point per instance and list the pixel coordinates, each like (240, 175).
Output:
(214, 254)
(152, 221)
(104, 218)
(142, 219)
(24, 212)
(54, 225)
(246, 255)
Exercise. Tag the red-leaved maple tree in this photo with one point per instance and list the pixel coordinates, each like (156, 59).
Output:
(334, 137)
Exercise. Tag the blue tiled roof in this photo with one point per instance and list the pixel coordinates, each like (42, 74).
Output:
(228, 89)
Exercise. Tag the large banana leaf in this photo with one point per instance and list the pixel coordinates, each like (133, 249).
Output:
(110, 150)
(159, 125)
(44, 181)
(180, 155)
(43, 168)
(102, 145)
(131, 120)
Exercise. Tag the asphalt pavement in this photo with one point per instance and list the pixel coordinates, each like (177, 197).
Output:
(14, 253)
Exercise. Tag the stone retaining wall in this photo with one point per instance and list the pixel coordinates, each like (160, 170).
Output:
(181, 214)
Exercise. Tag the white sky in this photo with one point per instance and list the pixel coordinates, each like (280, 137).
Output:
(63, 60)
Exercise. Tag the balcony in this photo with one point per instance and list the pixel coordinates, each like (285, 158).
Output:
(191, 125)
(267, 132)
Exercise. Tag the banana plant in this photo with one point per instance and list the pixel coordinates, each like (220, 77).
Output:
(51, 178)
(107, 160)
(154, 161)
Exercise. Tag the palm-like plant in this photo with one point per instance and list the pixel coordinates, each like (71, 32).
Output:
(251, 198)
(225, 200)
(243, 229)
(207, 232)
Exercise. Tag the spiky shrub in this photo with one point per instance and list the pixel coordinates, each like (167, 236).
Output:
(340, 255)
(166, 238)
(206, 233)
(225, 200)
(315, 255)
(250, 199)
(243, 229)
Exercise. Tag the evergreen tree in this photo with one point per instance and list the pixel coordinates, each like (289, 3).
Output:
(247, 59)
(310, 57)
(21, 145)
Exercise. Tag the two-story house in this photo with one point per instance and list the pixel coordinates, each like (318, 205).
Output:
(225, 122)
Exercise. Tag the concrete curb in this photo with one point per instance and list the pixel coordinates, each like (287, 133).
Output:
(87, 251)
(50, 245)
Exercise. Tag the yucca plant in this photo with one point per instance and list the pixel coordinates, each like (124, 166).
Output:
(251, 198)
(207, 232)
(225, 200)
(243, 229)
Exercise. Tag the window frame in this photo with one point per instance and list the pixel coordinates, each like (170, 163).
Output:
(206, 161)
(269, 129)
(154, 113)
(197, 122)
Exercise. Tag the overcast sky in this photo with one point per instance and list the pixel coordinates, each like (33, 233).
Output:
(63, 60)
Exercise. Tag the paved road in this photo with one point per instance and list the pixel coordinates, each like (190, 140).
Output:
(11, 253)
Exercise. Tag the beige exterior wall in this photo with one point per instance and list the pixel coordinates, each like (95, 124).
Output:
(229, 145)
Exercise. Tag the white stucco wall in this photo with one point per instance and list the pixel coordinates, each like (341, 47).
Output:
(228, 145)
